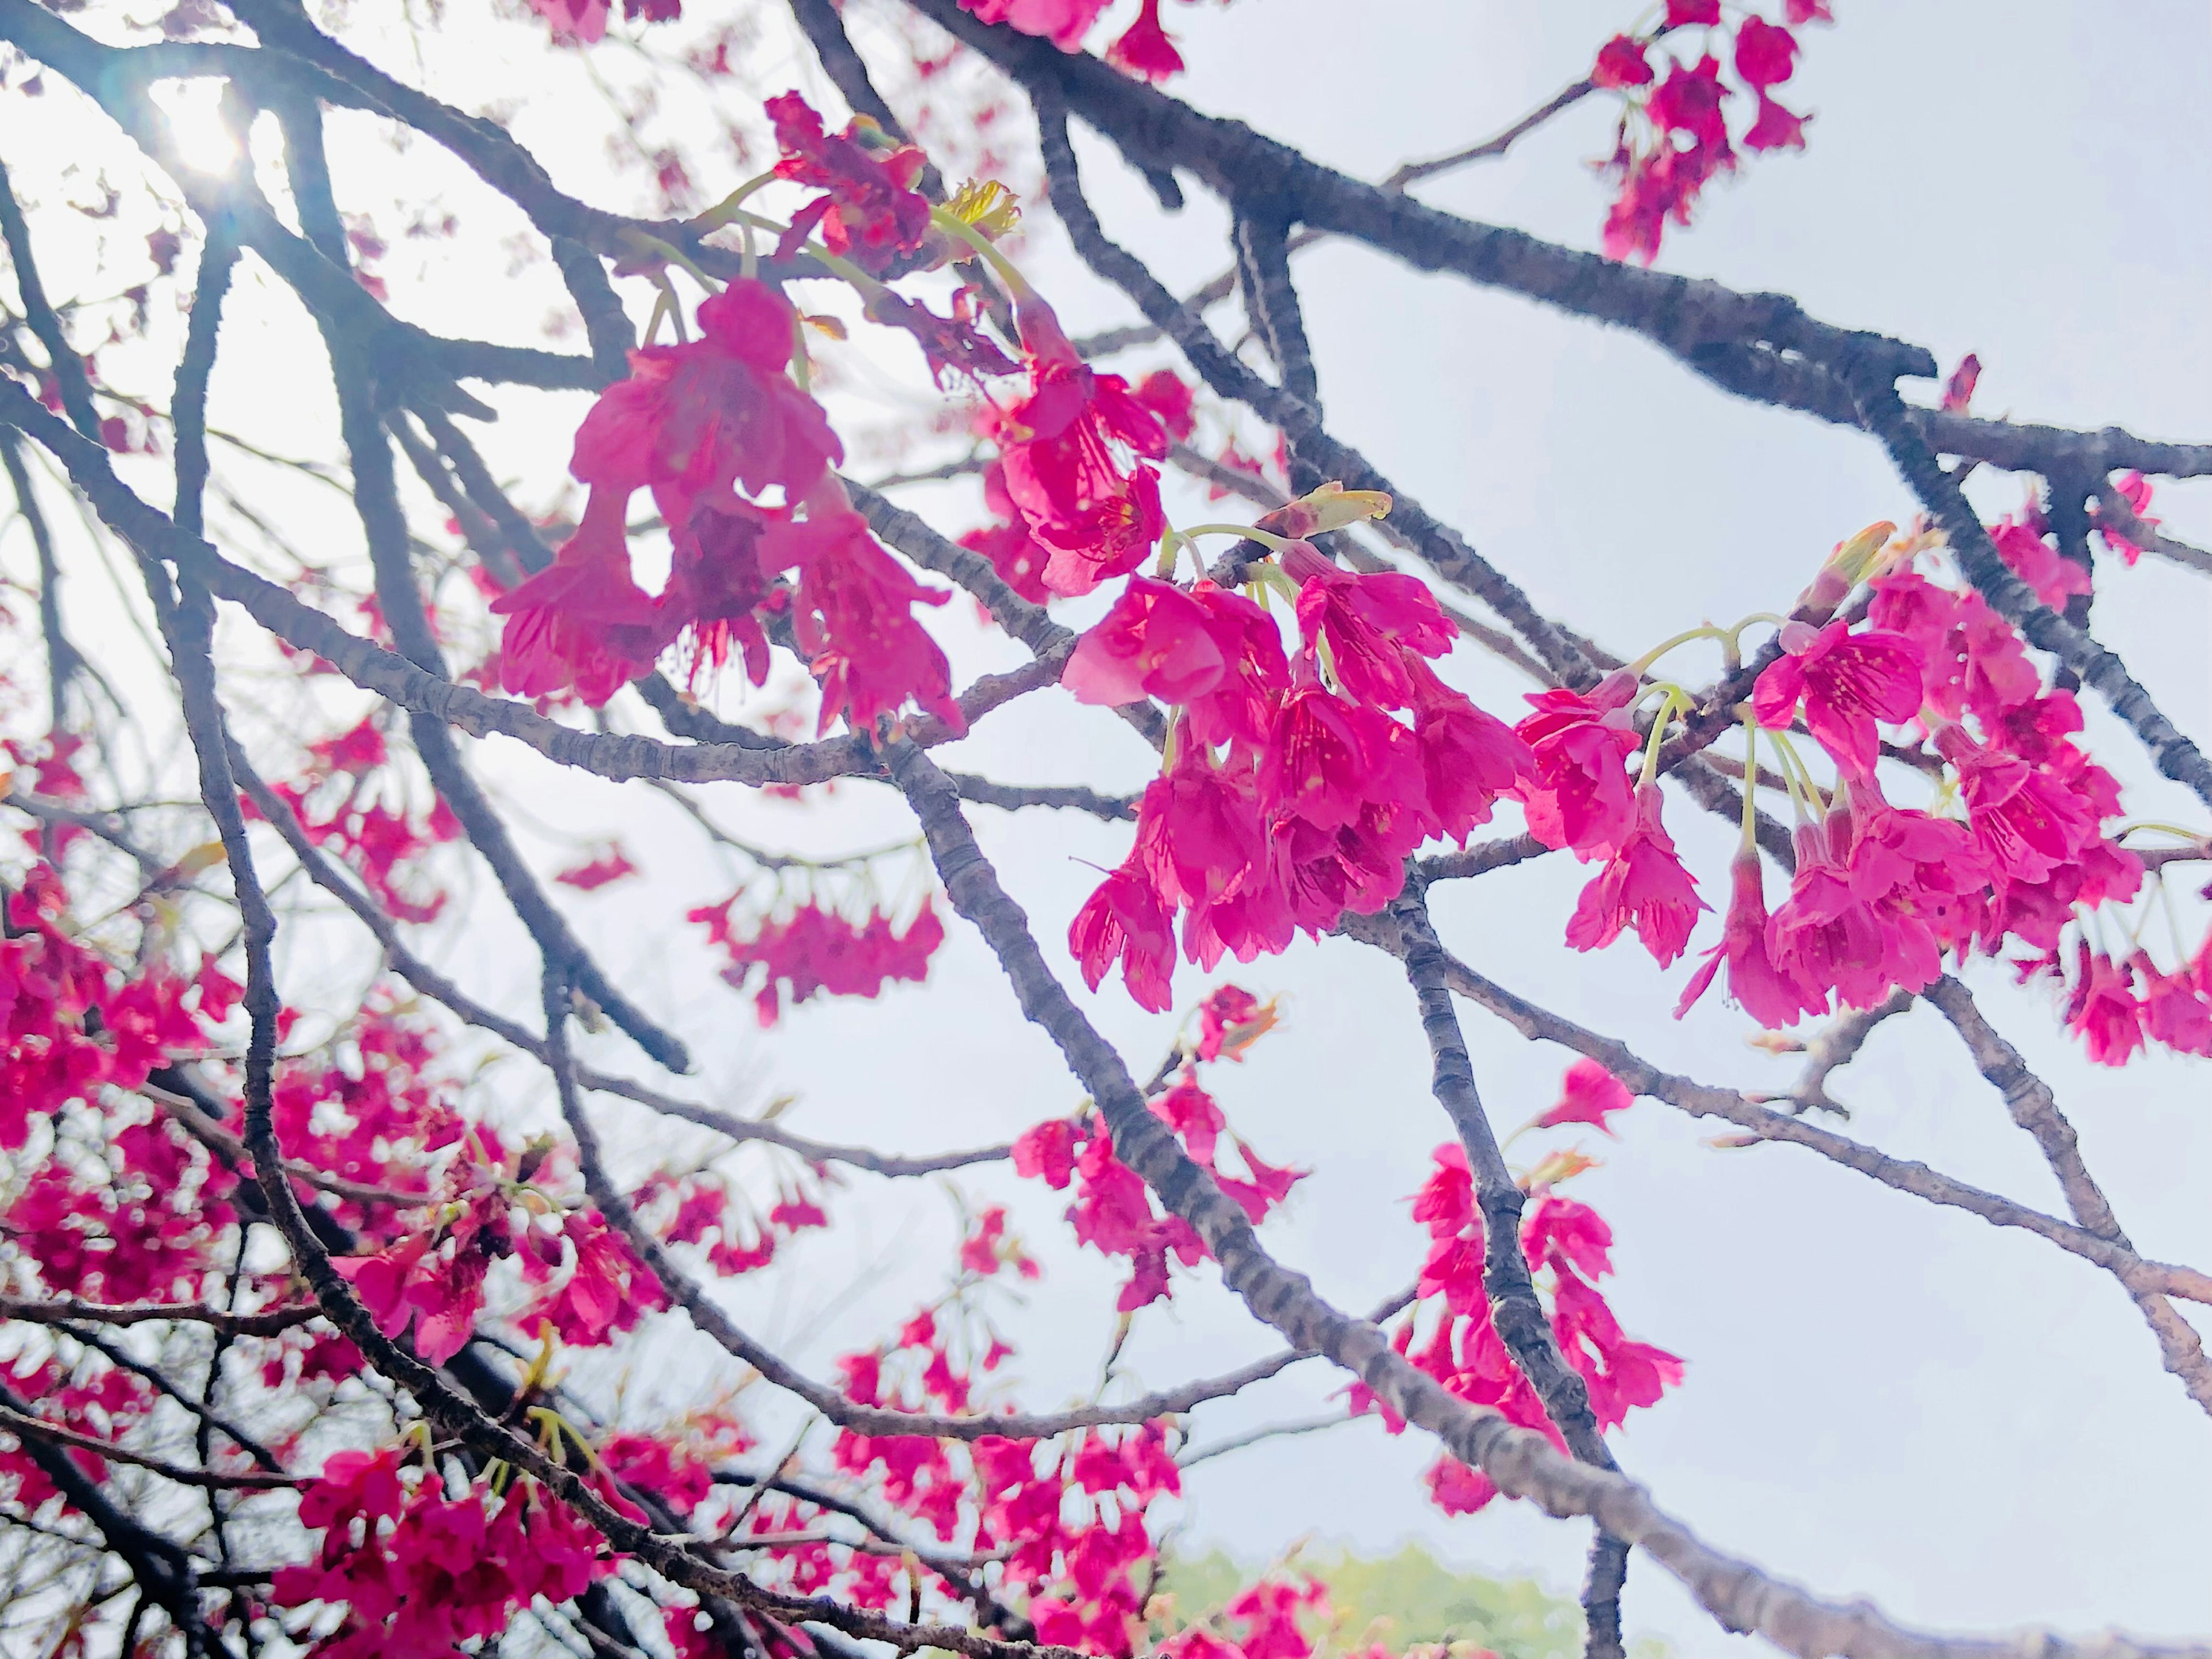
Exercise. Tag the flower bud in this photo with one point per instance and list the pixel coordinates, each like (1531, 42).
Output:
(1329, 506)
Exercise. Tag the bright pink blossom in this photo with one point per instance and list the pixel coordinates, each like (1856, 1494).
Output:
(1847, 682)
(853, 618)
(1366, 619)
(695, 421)
(1588, 1094)
(870, 213)
(1063, 22)
(1765, 55)
(2102, 1010)
(1145, 49)
(582, 623)
(1643, 886)
(1755, 983)
(1579, 794)
(1127, 920)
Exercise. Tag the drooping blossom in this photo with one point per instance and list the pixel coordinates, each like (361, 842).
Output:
(817, 951)
(1198, 829)
(1145, 49)
(1469, 757)
(2176, 1012)
(1157, 641)
(1062, 447)
(1125, 921)
(1327, 759)
(1823, 937)
(1847, 682)
(2026, 824)
(1766, 54)
(1579, 794)
(1369, 622)
(2102, 1010)
(2023, 543)
(1588, 1094)
(854, 616)
(1622, 63)
(582, 623)
(1016, 554)
(1755, 983)
(1643, 885)
(871, 212)
(2134, 490)
(695, 421)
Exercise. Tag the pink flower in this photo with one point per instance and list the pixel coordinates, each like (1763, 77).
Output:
(1157, 641)
(1689, 102)
(1588, 1094)
(1824, 938)
(871, 213)
(1776, 127)
(1240, 708)
(1063, 22)
(1327, 758)
(2177, 1013)
(1847, 682)
(693, 421)
(1959, 390)
(2103, 1011)
(1766, 56)
(1579, 794)
(1169, 395)
(1110, 539)
(1061, 447)
(1643, 886)
(2135, 489)
(2026, 823)
(1145, 49)
(1755, 983)
(854, 616)
(1127, 920)
(1366, 619)
(1015, 554)
(2022, 544)
(1198, 829)
(582, 623)
(574, 20)
(1621, 63)
(1681, 13)
(1469, 757)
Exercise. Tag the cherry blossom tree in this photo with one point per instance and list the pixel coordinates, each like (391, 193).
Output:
(322, 1263)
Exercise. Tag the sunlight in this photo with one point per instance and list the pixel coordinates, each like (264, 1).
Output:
(194, 107)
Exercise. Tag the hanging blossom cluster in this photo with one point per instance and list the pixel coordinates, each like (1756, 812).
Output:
(1070, 1517)
(1449, 1333)
(1675, 136)
(1293, 792)
(412, 1569)
(1114, 1212)
(815, 949)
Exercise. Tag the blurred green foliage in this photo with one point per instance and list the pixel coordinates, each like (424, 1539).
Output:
(1402, 1600)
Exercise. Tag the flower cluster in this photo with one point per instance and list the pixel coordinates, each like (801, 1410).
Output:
(1069, 1514)
(1674, 137)
(1294, 789)
(710, 1211)
(712, 426)
(1569, 1246)
(1114, 1212)
(816, 950)
(581, 1279)
(417, 1570)
(348, 804)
